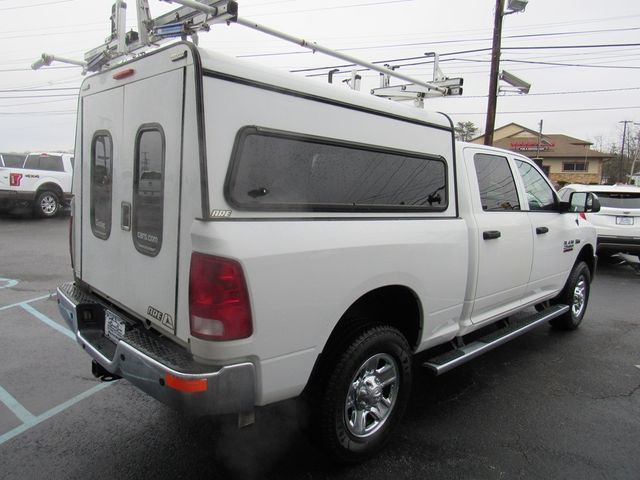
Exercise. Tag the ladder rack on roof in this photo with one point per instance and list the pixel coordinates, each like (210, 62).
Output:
(195, 16)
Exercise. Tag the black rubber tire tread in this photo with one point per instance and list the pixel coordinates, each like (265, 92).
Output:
(329, 405)
(38, 209)
(569, 321)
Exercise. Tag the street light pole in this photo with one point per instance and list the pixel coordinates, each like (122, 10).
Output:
(493, 74)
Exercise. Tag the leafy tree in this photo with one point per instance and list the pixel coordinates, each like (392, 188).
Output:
(465, 131)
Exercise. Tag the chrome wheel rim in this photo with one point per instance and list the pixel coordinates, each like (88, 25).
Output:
(372, 395)
(579, 297)
(48, 204)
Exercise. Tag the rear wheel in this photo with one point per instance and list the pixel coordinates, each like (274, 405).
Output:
(47, 204)
(576, 295)
(363, 395)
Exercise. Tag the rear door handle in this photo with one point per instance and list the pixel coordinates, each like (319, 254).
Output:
(541, 230)
(491, 234)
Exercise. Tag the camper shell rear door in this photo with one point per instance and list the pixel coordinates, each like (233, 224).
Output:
(131, 141)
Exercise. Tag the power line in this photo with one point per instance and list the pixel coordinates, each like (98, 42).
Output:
(355, 5)
(52, 89)
(13, 97)
(568, 110)
(461, 52)
(36, 5)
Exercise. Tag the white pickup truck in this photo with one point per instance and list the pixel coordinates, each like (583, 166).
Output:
(300, 239)
(43, 184)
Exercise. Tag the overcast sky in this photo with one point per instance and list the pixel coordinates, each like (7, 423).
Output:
(582, 92)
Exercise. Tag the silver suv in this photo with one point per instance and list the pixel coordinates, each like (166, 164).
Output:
(618, 221)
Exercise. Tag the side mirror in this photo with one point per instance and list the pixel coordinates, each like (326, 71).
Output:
(581, 202)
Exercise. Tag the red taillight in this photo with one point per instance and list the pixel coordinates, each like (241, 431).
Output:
(218, 299)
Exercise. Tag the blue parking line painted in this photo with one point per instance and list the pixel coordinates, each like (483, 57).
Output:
(43, 318)
(35, 420)
(13, 305)
(8, 283)
(24, 415)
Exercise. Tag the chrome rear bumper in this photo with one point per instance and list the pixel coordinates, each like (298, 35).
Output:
(156, 365)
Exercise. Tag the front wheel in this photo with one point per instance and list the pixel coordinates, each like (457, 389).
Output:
(47, 204)
(576, 295)
(365, 394)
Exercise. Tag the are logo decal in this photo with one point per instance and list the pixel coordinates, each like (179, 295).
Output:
(568, 246)
(164, 318)
(155, 313)
(220, 213)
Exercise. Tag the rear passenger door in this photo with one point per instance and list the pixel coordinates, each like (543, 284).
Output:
(503, 235)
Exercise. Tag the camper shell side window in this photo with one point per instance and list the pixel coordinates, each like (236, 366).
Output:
(148, 189)
(275, 170)
(100, 190)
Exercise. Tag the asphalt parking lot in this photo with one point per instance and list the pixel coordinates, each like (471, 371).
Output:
(549, 405)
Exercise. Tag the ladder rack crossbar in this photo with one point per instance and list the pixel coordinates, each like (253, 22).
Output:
(194, 16)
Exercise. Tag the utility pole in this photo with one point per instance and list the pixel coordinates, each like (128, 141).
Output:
(493, 74)
(539, 140)
(624, 136)
(514, 6)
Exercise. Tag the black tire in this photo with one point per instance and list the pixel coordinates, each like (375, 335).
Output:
(576, 295)
(364, 394)
(47, 204)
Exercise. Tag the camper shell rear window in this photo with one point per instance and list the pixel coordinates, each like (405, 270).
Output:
(100, 191)
(275, 170)
(148, 189)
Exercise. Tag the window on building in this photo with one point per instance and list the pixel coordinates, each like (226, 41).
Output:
(575, 166)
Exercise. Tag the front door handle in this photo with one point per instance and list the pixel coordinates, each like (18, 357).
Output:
(541, 230)
(491, 234)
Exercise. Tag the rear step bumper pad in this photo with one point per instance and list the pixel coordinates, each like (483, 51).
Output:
(147, 360)
(449, 360)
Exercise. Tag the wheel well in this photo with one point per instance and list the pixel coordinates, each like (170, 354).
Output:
(393, 305)
(50, 187)
(586, 255)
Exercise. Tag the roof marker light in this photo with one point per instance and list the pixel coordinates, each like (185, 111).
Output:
(123, 74)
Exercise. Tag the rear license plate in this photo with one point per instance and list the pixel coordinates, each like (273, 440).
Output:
(624, 220)
(114, 326)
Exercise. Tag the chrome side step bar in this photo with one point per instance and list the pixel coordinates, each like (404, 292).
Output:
(449, 360)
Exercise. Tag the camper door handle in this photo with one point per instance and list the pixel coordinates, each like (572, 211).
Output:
(491, 234)
(125, 216)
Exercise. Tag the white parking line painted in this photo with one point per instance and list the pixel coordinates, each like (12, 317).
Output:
(8, 283)
(7, 307)
(43, 318)
(27, 418)
(24, 415)
(35, 420)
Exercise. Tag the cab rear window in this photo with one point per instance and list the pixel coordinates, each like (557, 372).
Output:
(148, 190)
(52, 163)
(100, 190)
(274, 170)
